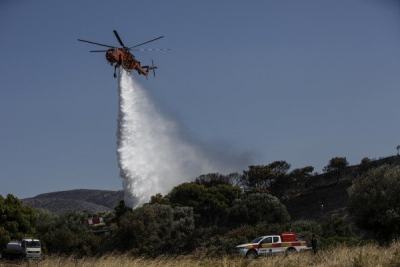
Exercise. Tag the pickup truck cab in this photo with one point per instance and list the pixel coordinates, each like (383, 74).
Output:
(270, 244)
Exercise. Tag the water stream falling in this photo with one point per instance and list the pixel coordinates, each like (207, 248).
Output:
(152, 155)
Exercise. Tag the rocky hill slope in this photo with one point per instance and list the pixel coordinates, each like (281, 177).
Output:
(93, 201)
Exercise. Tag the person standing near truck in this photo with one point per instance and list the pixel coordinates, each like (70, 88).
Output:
(314, 244)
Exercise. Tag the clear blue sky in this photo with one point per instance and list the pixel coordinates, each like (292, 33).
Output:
(301, 81)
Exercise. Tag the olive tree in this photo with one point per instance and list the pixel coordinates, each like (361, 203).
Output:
(374, 202)
(210, 204)
(256, 208)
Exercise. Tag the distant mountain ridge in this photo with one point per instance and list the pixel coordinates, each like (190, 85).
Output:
(93, 201)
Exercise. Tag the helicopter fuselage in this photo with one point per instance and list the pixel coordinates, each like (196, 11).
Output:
(122, 57)
(126, 60)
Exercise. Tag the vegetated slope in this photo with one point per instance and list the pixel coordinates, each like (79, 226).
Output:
(305, 203)
(308, 206)
(93, 201)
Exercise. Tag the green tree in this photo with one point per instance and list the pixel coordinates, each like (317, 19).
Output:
(337, 227)
(266, 176)
(155, 229)
(61, 240)
(305, 228)
(236, 179)
(158, 199)
(301, 173)
(336, 166)
(46, 220)
(256, 208)
(374, 202)
(67, 233)
(210, 205)
(365, 161)
(365, 165)
(257, 177)
(4, 238)
(212, 179)
(120, 209)
(16, 220)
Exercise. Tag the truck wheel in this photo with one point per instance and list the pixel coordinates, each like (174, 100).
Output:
(251, 254)
(290, 251)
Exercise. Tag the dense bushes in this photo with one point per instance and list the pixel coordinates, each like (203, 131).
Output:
(374, 202)
(225, 217)
(155, 229)
(257, 208)
(16, 219)
(211, 205)
(66, 233)
(209, 217)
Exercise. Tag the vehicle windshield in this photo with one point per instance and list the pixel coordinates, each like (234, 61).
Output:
(258, 239)
(32, 244)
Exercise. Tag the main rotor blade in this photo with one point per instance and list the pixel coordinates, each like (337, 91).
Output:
(147, 42)
(119, 39)
(151, 49)
(98, 51)
(96, 43)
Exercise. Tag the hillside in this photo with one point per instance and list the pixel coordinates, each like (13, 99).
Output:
(304, 206)
(303, 202)
(305, 197)
(308, 207)
(93, 201)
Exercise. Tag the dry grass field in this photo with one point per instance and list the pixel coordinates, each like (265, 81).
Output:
(365, 256)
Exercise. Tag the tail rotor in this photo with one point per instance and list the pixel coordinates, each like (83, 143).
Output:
(153, 68)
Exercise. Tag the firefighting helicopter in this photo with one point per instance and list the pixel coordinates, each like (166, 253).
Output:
(123, 57)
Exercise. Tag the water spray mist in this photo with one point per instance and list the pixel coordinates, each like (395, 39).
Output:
(152, 155)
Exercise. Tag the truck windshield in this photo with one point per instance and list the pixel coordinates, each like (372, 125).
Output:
(33, 244)
(258, 239)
